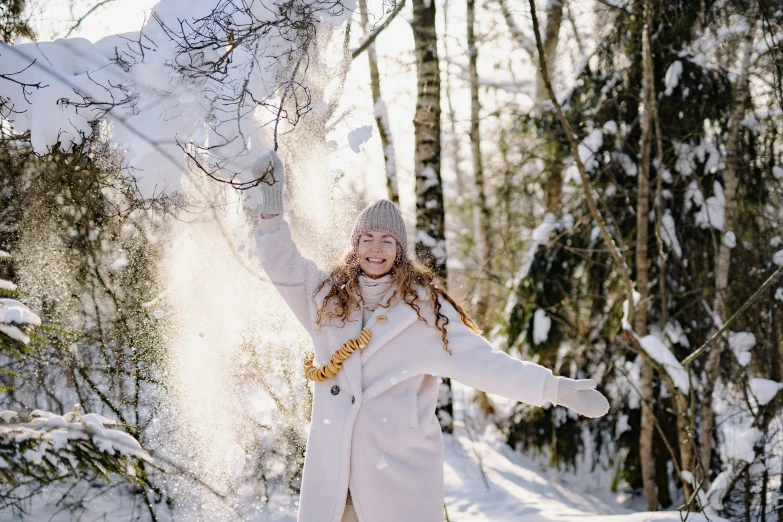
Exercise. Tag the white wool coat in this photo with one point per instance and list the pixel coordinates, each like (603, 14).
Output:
(373, 424)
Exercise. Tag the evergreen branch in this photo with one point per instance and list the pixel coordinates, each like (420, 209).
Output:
(586, 183)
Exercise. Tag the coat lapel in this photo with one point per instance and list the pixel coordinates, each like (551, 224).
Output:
(398, 317)
(331, 338)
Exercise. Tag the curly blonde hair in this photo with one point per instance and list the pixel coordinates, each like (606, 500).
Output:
(406, 273)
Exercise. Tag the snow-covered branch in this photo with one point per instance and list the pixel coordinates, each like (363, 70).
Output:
(198, 81)
(51, 447)
(16, 319)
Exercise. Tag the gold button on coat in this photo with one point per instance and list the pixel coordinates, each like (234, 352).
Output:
(381, 318)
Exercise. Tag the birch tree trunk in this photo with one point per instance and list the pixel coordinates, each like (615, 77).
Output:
(723, 261)
(482, 228)
(430, 229)
(647, 432)
(430, 215)
(379, 108)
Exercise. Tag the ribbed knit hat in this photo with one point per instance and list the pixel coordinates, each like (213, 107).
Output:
(381, 216)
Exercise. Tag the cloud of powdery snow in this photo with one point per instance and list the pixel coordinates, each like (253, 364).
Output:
(198, 93)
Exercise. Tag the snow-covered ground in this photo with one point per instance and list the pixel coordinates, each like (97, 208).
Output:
(518, 488)
(518, 491)
(522, 489)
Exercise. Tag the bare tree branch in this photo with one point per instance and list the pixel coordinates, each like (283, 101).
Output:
(85, 15)
(370, 38)
(717, 335)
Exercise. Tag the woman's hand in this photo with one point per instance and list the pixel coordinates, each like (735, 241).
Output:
(267, 196)
(579, 395)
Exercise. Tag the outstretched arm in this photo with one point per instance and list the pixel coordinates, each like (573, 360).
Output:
(294, 276)
(474, 361)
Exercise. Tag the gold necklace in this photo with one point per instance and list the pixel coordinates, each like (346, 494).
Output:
(335, 363)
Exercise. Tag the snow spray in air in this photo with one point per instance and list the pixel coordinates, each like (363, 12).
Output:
(240, 401)
(240, 404)
(229, 428)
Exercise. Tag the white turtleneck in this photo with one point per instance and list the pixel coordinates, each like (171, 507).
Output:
(374, 293)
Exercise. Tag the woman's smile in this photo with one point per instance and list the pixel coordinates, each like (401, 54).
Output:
(377, 251)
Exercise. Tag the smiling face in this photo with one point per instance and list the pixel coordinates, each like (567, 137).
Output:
(377, 251)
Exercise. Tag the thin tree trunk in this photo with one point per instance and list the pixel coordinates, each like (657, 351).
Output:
(379, 107)
(723, 261)
(659, 218)
(684, 431)
(647, 431)
(452, 113)
(554, 19)
(664, 306)
(777, 345)
(708, 415)
(430, 215)
(554, 182)
(508, 174)
(553, 159)
(763, 495)
(482, 228)
(684, 438)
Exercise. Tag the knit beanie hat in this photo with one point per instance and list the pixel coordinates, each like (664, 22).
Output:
(382, 216)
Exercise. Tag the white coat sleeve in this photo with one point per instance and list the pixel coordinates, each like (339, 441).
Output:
(476, 363)
(293, 275)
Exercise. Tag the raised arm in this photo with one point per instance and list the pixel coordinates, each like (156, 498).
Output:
(294, 276)
(473, 361)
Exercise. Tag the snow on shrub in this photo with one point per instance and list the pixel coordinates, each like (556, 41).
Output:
(741, 343)
(764, 390)
(661, 353)
(48, 447)
(15, 317)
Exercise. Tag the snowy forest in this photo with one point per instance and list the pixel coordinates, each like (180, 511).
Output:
(599, 182)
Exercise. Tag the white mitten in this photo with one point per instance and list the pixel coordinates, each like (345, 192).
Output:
(579, 395)
(267, 196)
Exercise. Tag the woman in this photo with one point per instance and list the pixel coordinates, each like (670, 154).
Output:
(383, 332)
